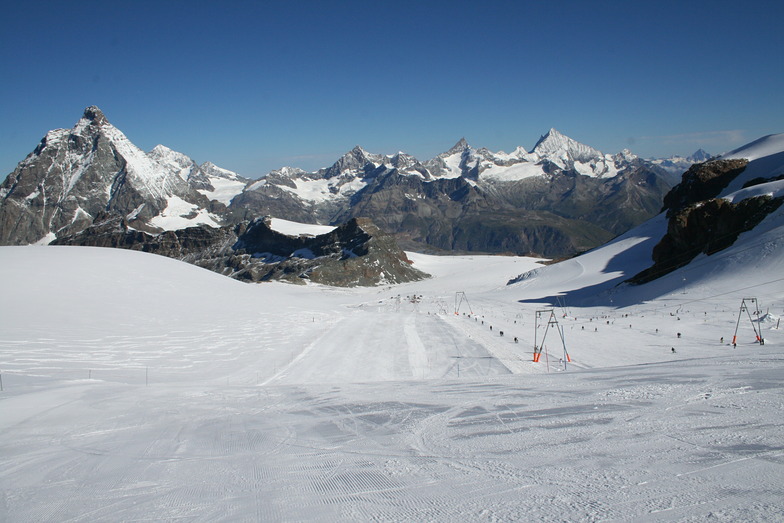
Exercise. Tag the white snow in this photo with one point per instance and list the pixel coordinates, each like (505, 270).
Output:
(174, 161)
(452, 163)
(296, 229)
(318, 190)
(47, 239)
(514, 172)
(137, 387)
(142, 168)
(180, 214)
(225, 189)
(256, 185)
(765, 146)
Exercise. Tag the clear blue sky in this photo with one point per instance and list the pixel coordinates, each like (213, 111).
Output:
(254, 86)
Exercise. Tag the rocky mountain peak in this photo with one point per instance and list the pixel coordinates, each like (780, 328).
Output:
(699, 156)
(555, 142)
(160, 150)
(354, 161)
(625, 156)
(210, 169)
(95, 115)
(458, 148)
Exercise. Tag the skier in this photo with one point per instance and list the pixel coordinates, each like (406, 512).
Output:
(673, 349)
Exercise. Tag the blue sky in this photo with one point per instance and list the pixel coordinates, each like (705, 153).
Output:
(254, 86)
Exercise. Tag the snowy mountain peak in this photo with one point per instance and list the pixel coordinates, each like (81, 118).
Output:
(164, 154)
(212, 170)
(357, 159)
(174, 161)
(625, 155)
(458, 148)
(700, 155)
(555, 145)
(159, 150)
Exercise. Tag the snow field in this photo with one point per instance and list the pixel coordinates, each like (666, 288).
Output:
(138, 387)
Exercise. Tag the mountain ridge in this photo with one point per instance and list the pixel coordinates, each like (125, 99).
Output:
(463, 199)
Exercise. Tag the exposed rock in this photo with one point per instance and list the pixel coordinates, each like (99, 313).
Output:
(76, 174)
(354, 254)
(701, 182)
(705, 227)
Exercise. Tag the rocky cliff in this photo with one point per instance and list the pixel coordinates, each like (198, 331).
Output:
(701, 223)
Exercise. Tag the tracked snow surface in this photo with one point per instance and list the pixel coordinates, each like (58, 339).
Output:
(136, 387)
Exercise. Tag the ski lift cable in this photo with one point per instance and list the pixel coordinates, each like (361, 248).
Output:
(681, 303)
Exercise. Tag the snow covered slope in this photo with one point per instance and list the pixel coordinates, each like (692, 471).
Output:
(136, 385)
(593, 278)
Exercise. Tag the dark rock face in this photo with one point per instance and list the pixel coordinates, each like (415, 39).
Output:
(354, 254)
(76, 174)
(707, 227)
(555, 216)
(701, 223)
(701, 182)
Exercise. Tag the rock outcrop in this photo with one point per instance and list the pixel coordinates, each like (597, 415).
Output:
(701, 182)
(356, 253)
(704, 228)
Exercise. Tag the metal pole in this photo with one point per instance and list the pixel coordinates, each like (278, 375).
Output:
(751, 320)
(740, 313)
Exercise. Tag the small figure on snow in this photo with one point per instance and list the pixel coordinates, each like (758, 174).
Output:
(673, 349)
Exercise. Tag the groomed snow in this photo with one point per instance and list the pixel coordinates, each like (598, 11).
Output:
(136, 387)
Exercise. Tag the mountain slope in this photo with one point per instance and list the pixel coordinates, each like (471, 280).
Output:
(725, 216)
(560, 198)
(76, 174)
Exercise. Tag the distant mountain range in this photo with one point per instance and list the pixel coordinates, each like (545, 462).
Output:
(557, 199)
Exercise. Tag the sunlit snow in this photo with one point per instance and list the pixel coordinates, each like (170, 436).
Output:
(295, 228)
(139, 387)
(224, 191)
(180, 214)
